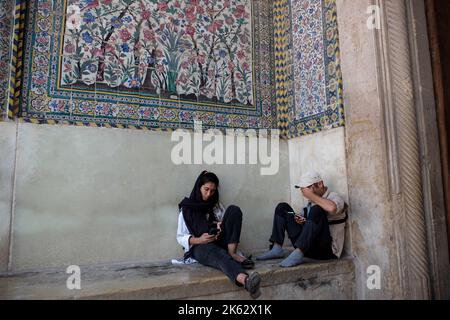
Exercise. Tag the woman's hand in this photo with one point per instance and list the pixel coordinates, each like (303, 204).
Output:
(205, 239)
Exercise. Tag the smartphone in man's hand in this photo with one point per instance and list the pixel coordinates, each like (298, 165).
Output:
(298, 217)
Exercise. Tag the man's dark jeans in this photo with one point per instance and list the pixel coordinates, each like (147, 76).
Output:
(313, 238)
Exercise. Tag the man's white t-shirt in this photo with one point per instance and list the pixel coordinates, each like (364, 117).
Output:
(337, 231)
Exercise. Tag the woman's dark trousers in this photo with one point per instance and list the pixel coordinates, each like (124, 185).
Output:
(215, 254)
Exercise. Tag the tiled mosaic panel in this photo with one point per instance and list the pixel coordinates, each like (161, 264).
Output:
(312, 83)
(193, 49)
(309, 66)
(159, 64)
(6, 15)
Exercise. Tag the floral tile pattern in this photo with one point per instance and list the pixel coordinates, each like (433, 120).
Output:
(309, 66)
(197, 49)
(6, 13)
(161, 64)
(312, 77)
(158, 64)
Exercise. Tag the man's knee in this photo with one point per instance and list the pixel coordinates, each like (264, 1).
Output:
(282, 209)
(317, 213)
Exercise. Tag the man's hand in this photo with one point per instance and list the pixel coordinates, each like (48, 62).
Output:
(327, 205)
(308, 193)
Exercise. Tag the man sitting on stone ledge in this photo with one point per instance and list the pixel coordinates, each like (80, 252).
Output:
(317, 233)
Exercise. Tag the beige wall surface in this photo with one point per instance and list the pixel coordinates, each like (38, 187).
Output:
(323, 152)
(96, 195)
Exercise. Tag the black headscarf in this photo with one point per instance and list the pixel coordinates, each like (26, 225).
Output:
(198, 214)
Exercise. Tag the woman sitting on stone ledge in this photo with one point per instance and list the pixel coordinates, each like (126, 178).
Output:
(211, 235)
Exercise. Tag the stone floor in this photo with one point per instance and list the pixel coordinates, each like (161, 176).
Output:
(313, 280)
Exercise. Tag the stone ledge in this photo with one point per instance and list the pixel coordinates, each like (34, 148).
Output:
(312, 280)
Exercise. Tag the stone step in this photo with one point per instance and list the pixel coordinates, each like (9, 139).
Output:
(312, 280)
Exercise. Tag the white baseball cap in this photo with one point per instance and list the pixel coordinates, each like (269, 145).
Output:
(308, 179)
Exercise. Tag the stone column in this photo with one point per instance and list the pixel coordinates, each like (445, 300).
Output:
(431, 167)
(8, 130)
(403, 150)
(388, 167)
(8, 146)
